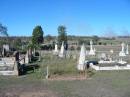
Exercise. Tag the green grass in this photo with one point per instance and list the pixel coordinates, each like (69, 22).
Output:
(59, 66)
(99, 84)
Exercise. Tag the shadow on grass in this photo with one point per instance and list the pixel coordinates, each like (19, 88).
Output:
(27, 69)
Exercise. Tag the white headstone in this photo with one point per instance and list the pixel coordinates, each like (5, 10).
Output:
(56, 49)
(47, 73)
(122, 52)
(81, 63)
(6, 47)
(91, 52)
(103, 56)
(27, 57)
(111, 51)
(127, 49)
(62, 51)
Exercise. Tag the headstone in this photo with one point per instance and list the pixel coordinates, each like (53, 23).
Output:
(47, 73)
(62, 51)
(16, 66)
(127, 49)
(122, 52)
(34, 51)
(6, 47)
(87, 52)
(103, 56)
(111, 51)
(3, 52)
(81, 63)
(27, 57)
(56, 49)
(30, 54)
(91, 52)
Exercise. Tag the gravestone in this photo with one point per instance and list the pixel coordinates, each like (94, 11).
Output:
(55, 52)
(111, 51)
(47, 73)
(3, 52)
(103, 56)
(34, 51)
(91, 52)
(6, 47)
(27, 57)
(122, 52)
(81, 63)
(16, 66)
(62, 51)
(127, 49)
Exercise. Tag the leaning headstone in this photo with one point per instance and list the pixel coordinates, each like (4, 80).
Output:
(62, 51)
(91, 52)
(122, 52)
(81, 63)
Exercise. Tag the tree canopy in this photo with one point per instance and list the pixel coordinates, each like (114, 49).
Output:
(62, 35)
(37, 35)
(3, 30)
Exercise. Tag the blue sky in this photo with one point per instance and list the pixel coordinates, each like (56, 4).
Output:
(81, 17)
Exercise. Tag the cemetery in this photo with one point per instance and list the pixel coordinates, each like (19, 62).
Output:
(65, 48)
(71, 69)
(15, 64)
(105, 62)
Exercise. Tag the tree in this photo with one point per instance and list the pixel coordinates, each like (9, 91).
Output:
(49, 37)
(62, 35)
(3, 30)
(37, 35)
(95, 39)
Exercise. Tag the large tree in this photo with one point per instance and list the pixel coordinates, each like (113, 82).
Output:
(3, 30)
(37, 35)
(62, 35)
(95, 39)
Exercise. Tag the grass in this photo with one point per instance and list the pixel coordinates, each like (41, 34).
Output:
(100, 84)
(59, 66)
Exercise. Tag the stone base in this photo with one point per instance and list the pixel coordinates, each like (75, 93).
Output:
(81, 67)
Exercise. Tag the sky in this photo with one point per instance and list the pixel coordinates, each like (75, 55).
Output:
(81, 17)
